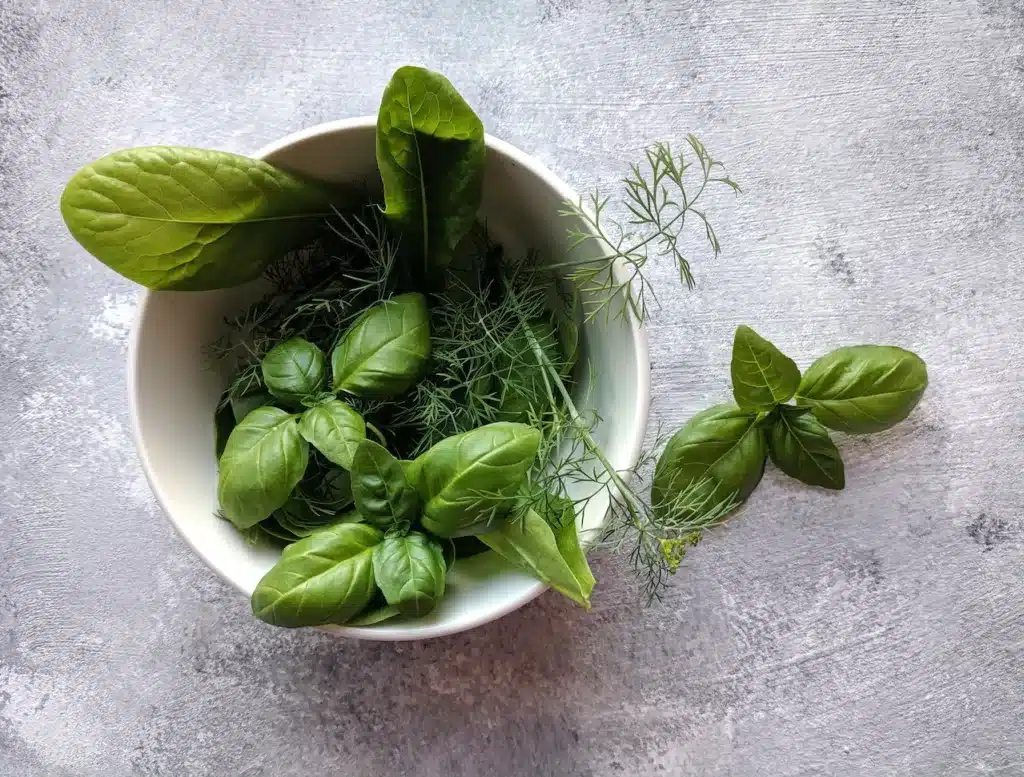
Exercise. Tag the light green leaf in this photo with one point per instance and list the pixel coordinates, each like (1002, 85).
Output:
(375, 616)
(263, 460)
(335, 429)
(294, 370)
(863, 388)
(800, 446)
(762, 376)
(410, 571)
(190, 219)
(430, 152)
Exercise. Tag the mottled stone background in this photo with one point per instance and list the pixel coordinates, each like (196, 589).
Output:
(877, 631)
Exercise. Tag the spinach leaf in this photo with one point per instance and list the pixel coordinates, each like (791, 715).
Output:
(187, 218)
(293, 370)
(263, 460)
(334, 429)
(467, 481)
(762, 376)
(523, 379)
(719, 454)
(376, 615)
(326, 577)
(410, 571)
(382, 493)
(800, 446)
(863, 388)
(552, 555)
(385, 351)
(430, 152)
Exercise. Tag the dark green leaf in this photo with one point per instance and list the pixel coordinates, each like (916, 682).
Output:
(720, 452)
(383, 495)
(187, 218)
(467, 481)
(386, 350)
(800, 447)
(863, 388)
(242, 406)
(326, 577)
(762, 376)
(334, 429)
(524, 379)
(410, 570)
(430, 152)
(264, 459)
(293, 370)
(224, 423)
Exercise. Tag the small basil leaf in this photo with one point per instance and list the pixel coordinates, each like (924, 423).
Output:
(533, 545)
(410, 571)
(800, 446)
(263, 460)
(719, 453)
(467, 481)
(189, 219)
(242, 406)
(293, 370)
(382, 493)
(374, 616)
(762, 376)
(863, 388)
(385, 351)
(430, 152)
(334, 429)
(326, 577)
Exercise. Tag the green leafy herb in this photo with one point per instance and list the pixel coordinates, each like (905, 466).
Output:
(335, 429)
(189, 219)
(374, 616)
(263, 460)
(383, 495)
(762, 376)
(800, 447)
(863, 388)
(410, 571)
(386, 350)
(294, 370)
(326, 577)
(467, 481)
(430, 152)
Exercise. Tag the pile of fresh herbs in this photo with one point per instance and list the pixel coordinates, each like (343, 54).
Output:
(404, 395)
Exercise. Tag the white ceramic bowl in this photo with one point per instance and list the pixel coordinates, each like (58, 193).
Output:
(173, 389)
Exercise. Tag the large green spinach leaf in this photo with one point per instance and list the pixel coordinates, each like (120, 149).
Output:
(410, 571)
(326, 577)
(187, 218)
(335, 429)
(430, 152)
(263, 460)
(386, 350)
(863, 388)
(467, 481)
(382, 493)
(762, 376)
(800, 446)
(294, 370)
(718, 455)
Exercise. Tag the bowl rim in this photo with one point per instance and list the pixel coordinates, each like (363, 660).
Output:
(633, 444)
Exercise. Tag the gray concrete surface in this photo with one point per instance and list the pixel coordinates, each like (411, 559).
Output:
(878, 631)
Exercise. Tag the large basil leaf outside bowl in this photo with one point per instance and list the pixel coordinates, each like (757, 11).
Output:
(173, 392)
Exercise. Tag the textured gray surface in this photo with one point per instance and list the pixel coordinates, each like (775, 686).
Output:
(878, 631)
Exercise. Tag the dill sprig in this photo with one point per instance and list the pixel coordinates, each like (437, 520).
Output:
(662, 196)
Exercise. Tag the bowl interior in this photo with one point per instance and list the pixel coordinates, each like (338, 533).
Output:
(174, 389)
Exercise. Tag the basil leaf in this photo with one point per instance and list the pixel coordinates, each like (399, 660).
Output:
(410, 571)
(719, 454)
(263, 460)
(863, 388)
(242, 406)
(382, 493)
(374, 616)
(467, 481)
(430, 152)
(169, 217)
(293, 370)
(335, 429)
(800, 447)
(553, 558)
(762, 376)
(326, 577)
(386, 350)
